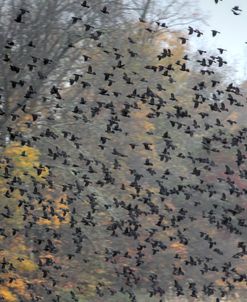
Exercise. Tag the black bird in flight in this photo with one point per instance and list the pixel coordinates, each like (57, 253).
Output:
(183, 40)
(221, 50)
(104, 10)
(236, 10)
(18, 19)
(21, 14)
(214, 32)
(161, 24)
(85, 4)
(76, 19)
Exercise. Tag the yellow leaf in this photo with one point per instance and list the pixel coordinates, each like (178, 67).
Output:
(25, 265)
(179, 247)
(19, 285)
(7, 295)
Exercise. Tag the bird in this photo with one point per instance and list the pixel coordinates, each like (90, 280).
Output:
(90, 70)
(228, 171)
(221, 50)
(104, 10)
(199, 33)
(183, 40)
(18, 19)
(201, 52)
(86, 58)
(88, 27)
(15, 68)
(85, 4)
(191, 30)
(161, 24)
(30, 44)
(47, 61)
(76, 19)
(236, 10)
(214, 32)
(131, 40)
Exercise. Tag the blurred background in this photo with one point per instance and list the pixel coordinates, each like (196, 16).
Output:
(115, 134)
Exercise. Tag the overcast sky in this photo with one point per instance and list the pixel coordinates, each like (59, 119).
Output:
(233, 31)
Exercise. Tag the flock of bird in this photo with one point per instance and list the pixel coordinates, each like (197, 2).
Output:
(182, 207)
